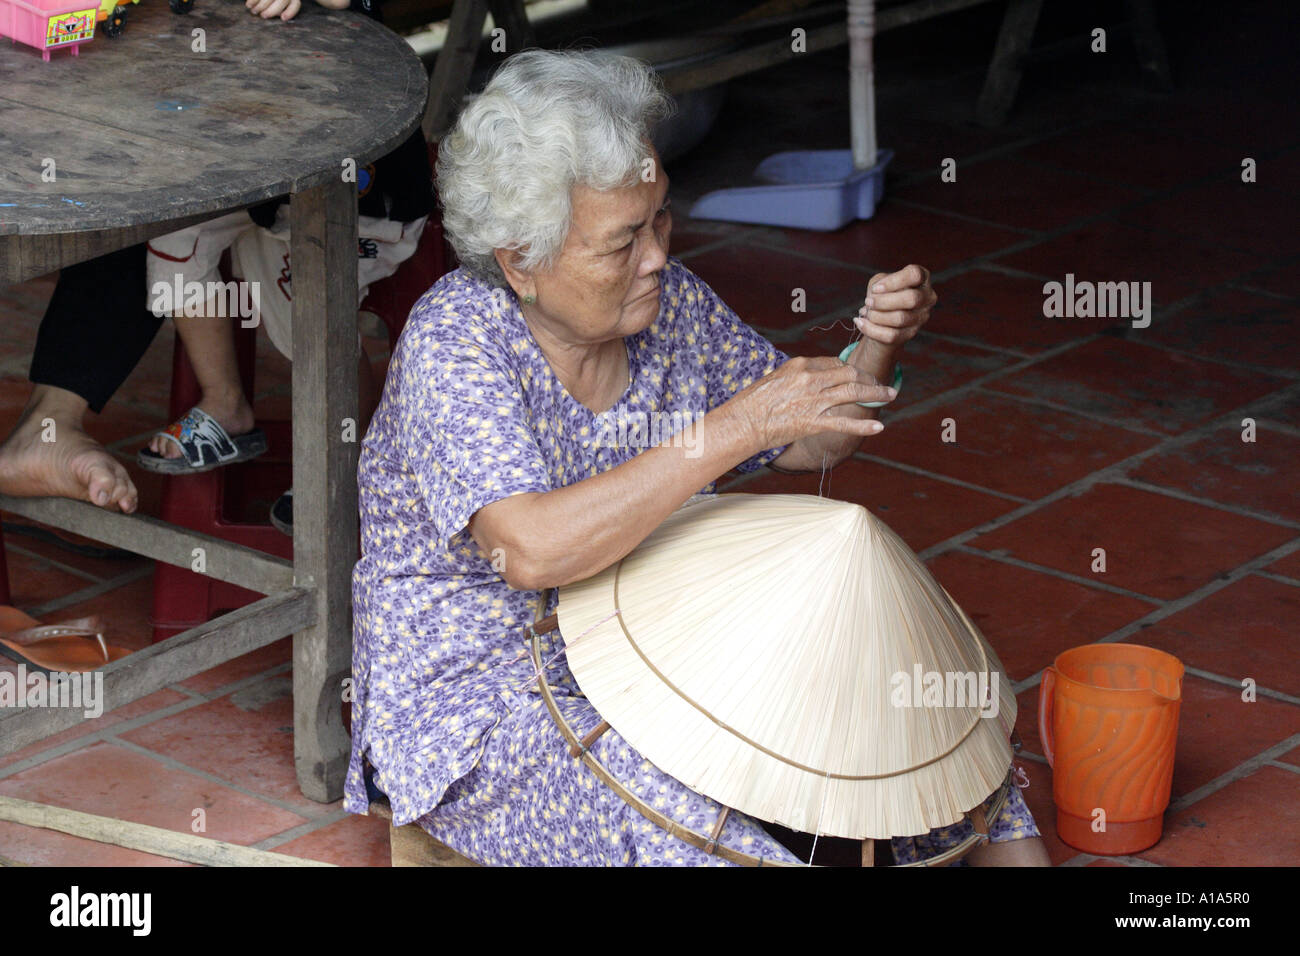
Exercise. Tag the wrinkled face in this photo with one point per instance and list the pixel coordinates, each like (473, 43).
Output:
(605, 282)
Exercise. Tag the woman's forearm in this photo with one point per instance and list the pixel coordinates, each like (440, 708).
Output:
(548, 539)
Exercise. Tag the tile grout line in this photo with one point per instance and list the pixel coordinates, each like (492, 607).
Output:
(999, 350)
(91, 591)
(1097, 179)
(226, 690)
(1263, 293)
(94, 737)
(770, 243)
(1242, 770)
(1056, 573)
(1081, 413)
(1026, 232)
(721, 242)
(1013, 272)
(195, 699)
(12, 548)
(1181, 495)
(1277, 426)
(1235, 684)
(173, 764)
(303, 829)
(907, 180)
(1286, 374)
(1279, 578)
(936, 476)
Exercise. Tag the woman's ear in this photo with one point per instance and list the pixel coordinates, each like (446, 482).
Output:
(520, 281)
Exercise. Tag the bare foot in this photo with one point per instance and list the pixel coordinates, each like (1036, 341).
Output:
(49, 454)
(229, 407)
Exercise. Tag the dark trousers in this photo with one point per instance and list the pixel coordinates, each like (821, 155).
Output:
(96, 327)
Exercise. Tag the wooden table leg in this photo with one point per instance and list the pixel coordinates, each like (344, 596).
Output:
(1150, 45)
(325, 351)
(1005, 68)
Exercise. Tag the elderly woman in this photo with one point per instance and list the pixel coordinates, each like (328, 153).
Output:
(487, 474)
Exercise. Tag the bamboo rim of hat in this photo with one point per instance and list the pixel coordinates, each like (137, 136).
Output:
(580, 749)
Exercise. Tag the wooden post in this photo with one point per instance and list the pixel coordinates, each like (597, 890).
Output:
(1003, 76)
(454, 64)
(868, 852)
(1150, 45)
(862, 91)
(323, 236)
(511, 16)
(409, 845)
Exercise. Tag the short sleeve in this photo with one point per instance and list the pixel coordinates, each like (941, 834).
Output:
(463, 414)
(737, 356)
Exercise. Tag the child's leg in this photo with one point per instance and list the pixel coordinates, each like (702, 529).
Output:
(175, 262)
(263, 256)
(209, 342)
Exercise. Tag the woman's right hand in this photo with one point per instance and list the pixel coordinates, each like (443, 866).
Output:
(797, 400)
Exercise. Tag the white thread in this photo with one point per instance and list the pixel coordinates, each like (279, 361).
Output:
(820, 810)
(1017, 773)
(837, 324)
(825, 458)
(537, 672)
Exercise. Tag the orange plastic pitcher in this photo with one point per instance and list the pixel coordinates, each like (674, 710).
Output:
(1108, 719)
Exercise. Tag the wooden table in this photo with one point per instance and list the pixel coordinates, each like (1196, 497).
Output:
(146, 136)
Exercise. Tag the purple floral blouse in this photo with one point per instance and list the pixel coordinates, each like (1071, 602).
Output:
(472, 413)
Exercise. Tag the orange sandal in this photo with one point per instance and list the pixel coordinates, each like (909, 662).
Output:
(56, 647)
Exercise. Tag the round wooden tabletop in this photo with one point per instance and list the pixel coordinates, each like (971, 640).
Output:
(145, 128)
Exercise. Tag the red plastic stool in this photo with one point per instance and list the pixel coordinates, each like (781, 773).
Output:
(233, 503)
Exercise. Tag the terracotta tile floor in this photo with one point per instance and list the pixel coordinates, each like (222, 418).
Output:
(1072, 434)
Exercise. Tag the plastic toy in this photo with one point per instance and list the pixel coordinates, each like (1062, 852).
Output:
(47, 24)
(55, 24)
(112, 13)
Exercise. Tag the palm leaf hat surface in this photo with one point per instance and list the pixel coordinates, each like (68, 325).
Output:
(789, 656)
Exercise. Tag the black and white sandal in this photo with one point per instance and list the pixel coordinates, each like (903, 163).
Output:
(282, 513)
(204, 445)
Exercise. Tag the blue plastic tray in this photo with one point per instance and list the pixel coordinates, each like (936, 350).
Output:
(816, 189)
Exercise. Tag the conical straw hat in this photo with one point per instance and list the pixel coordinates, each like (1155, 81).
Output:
(779, 653)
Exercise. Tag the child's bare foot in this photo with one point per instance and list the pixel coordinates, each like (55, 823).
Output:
(49, 453)
(228, 406)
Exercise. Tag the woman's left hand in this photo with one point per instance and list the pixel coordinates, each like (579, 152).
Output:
(897, 305)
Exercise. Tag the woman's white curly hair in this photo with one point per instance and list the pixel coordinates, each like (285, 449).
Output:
(546, 122)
